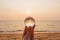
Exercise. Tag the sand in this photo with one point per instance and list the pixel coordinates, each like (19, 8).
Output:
(37, 36)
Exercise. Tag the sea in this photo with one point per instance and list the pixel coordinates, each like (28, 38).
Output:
(41, 26)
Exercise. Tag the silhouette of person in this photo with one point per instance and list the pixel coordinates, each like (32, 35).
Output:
(29, 29)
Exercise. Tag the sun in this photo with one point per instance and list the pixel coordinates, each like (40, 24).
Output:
(27, 12)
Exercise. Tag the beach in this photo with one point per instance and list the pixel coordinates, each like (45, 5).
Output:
(37, 36)
(40, 18)
(44, 30)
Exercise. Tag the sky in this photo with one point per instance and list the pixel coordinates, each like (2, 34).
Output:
(38, 9)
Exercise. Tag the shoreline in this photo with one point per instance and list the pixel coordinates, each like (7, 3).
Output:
(22, 32)
(37, 36)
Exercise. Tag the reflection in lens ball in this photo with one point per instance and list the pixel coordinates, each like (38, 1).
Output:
(29, 21)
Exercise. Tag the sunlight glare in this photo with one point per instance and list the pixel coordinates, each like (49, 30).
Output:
(28, 12)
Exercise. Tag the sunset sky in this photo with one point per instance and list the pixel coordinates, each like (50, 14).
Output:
(20, 9)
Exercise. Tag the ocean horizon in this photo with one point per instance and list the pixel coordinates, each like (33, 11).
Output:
(41, 26)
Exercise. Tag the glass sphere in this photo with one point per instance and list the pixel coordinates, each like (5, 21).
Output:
(29, 22)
